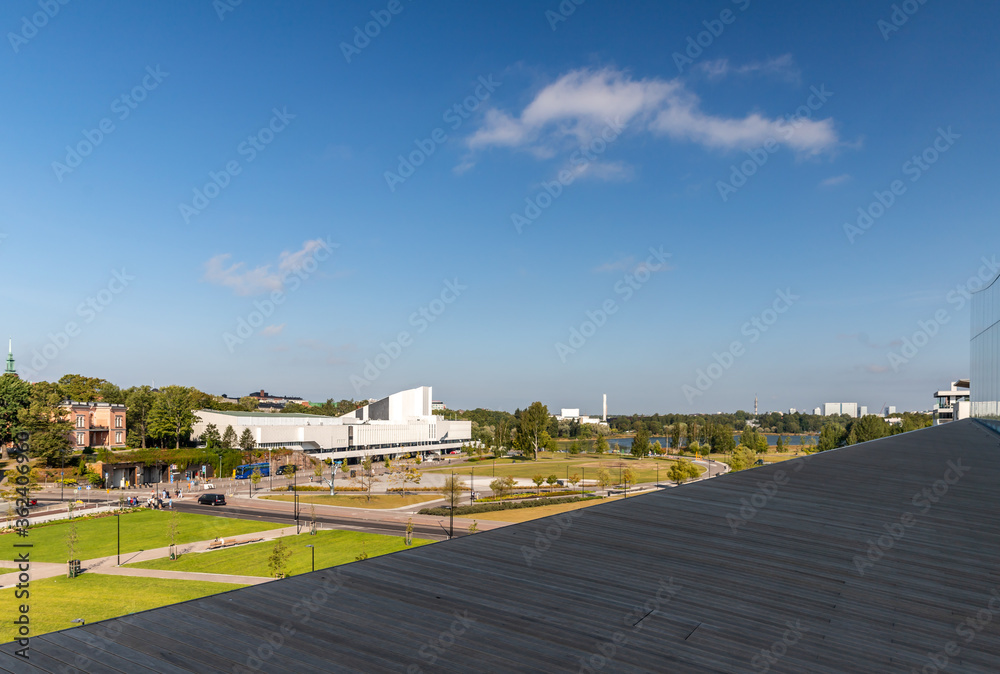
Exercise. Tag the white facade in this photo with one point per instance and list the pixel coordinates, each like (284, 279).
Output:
(792, 410)
(952, 404)
(864, 411)
(399, 424)
(850, 409)
(817, 411)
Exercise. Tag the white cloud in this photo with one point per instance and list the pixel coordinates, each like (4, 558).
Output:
(272, 330)
(836, 180)
(260, 279)
(782, 67)
(577, 106)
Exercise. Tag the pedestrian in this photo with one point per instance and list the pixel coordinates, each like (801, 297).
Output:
(170, 503)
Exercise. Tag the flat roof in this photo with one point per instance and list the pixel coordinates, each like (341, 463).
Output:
(862, 559)
(289, 415)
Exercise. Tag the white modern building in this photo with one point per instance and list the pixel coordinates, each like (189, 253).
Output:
(984, 351)
(402, 423)
(850, 409)
(952, 404)
(817, 411)
(573, 414)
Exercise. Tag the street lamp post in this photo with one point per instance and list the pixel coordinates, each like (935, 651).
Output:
(270, 471)
(472, 486)
(313, 556)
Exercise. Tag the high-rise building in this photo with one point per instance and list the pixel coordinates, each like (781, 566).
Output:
(817, 411)
(850, 409)
(10, 359)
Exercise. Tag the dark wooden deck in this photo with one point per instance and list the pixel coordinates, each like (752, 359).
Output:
(656, 583)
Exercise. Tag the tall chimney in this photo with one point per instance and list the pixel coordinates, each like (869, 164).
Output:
(605, 417)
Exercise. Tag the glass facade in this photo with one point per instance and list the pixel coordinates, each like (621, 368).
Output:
(984, 351)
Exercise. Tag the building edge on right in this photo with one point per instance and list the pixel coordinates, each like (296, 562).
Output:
(984, 352)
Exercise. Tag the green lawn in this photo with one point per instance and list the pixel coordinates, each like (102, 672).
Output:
(143, 530)
(56, 601)
(353, 500)
(332, 549)
(585, 465)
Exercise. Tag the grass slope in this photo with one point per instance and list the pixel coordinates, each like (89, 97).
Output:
(53, 602)
(332, 549)
(143, 530)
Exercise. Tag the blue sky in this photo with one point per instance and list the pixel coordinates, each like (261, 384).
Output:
(115, 266)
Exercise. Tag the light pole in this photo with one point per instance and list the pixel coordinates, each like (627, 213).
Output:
(270, 471)
(313, 556)
(472, 486)
(118, 516)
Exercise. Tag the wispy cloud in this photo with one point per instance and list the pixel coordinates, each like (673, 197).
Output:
(272, 330)
(244, 281)
(579, 105)
(836, 180)
(782, 67)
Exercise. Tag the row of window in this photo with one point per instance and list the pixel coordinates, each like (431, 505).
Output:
(81, 421)
(80, 438)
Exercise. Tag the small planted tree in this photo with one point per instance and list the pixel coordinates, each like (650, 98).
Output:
(172, 528)
(255, 477)
(601, 446)
(603, 478)
(538, 479)
(551, 480)
(278, 560)
(453, 488)
(574, 479)
(628, 477)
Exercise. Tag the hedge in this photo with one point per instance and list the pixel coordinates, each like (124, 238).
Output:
(505, 505)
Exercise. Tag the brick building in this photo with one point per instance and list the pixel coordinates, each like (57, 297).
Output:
(96, 424)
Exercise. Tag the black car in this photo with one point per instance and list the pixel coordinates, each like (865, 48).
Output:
(212, 499)
(290, 468)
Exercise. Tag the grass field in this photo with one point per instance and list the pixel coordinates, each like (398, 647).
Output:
(332, 549)
(527, 514)
(54, 602)
(378, 501)
(142, 530)
(585, 465)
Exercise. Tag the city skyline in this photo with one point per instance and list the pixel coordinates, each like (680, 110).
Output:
(507, 203)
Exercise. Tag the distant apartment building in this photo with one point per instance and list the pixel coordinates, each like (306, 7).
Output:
(438, 406)
(817, 411)
(96, 424)
(952, 404)
(864, 411)
(850, 409)
(792, 410)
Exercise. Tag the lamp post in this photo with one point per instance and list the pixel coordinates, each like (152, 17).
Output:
(270, 471)
(472, 486)
(118, 516)
(313, 556)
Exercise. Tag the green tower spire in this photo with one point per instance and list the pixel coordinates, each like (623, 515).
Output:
(10, 359)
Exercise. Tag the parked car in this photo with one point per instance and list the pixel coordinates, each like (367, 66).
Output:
(290, 468)
(212, 499)
(208, 485)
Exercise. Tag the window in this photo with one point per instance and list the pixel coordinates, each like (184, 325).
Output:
(79, 420)
(118, 436)
(79, 438)
(118, 422)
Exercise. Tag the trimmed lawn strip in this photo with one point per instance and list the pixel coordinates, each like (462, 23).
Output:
(54, 602)
(333, 548)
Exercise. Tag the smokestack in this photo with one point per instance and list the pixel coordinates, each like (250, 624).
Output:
(605, 417)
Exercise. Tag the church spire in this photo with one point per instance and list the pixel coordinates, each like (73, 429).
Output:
(10, 358)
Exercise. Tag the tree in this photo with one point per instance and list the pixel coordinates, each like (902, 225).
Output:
(742, 458)
(279, 558)
(531, 433)
(111, 394)
(229, 439)
(538, 479)
(249, 404)
(247, 445)
(80, 388)
(255, 477)
(551, 480)
(367, 477)
(640, 443)
(574, 447)
(72, 535)
(15, 395)
(779, 447)
(501, 487)
(140, 401)
(574, 479)
(453, 488)
(211, 436)
(603, 478)
(869, 427)
(45, 420)
(601, 446)
(682, 470)
(657, 449)
(171, 414)
(628, 477)
(831, 437)
(692, 433)
(722, 439)
(675, 436)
